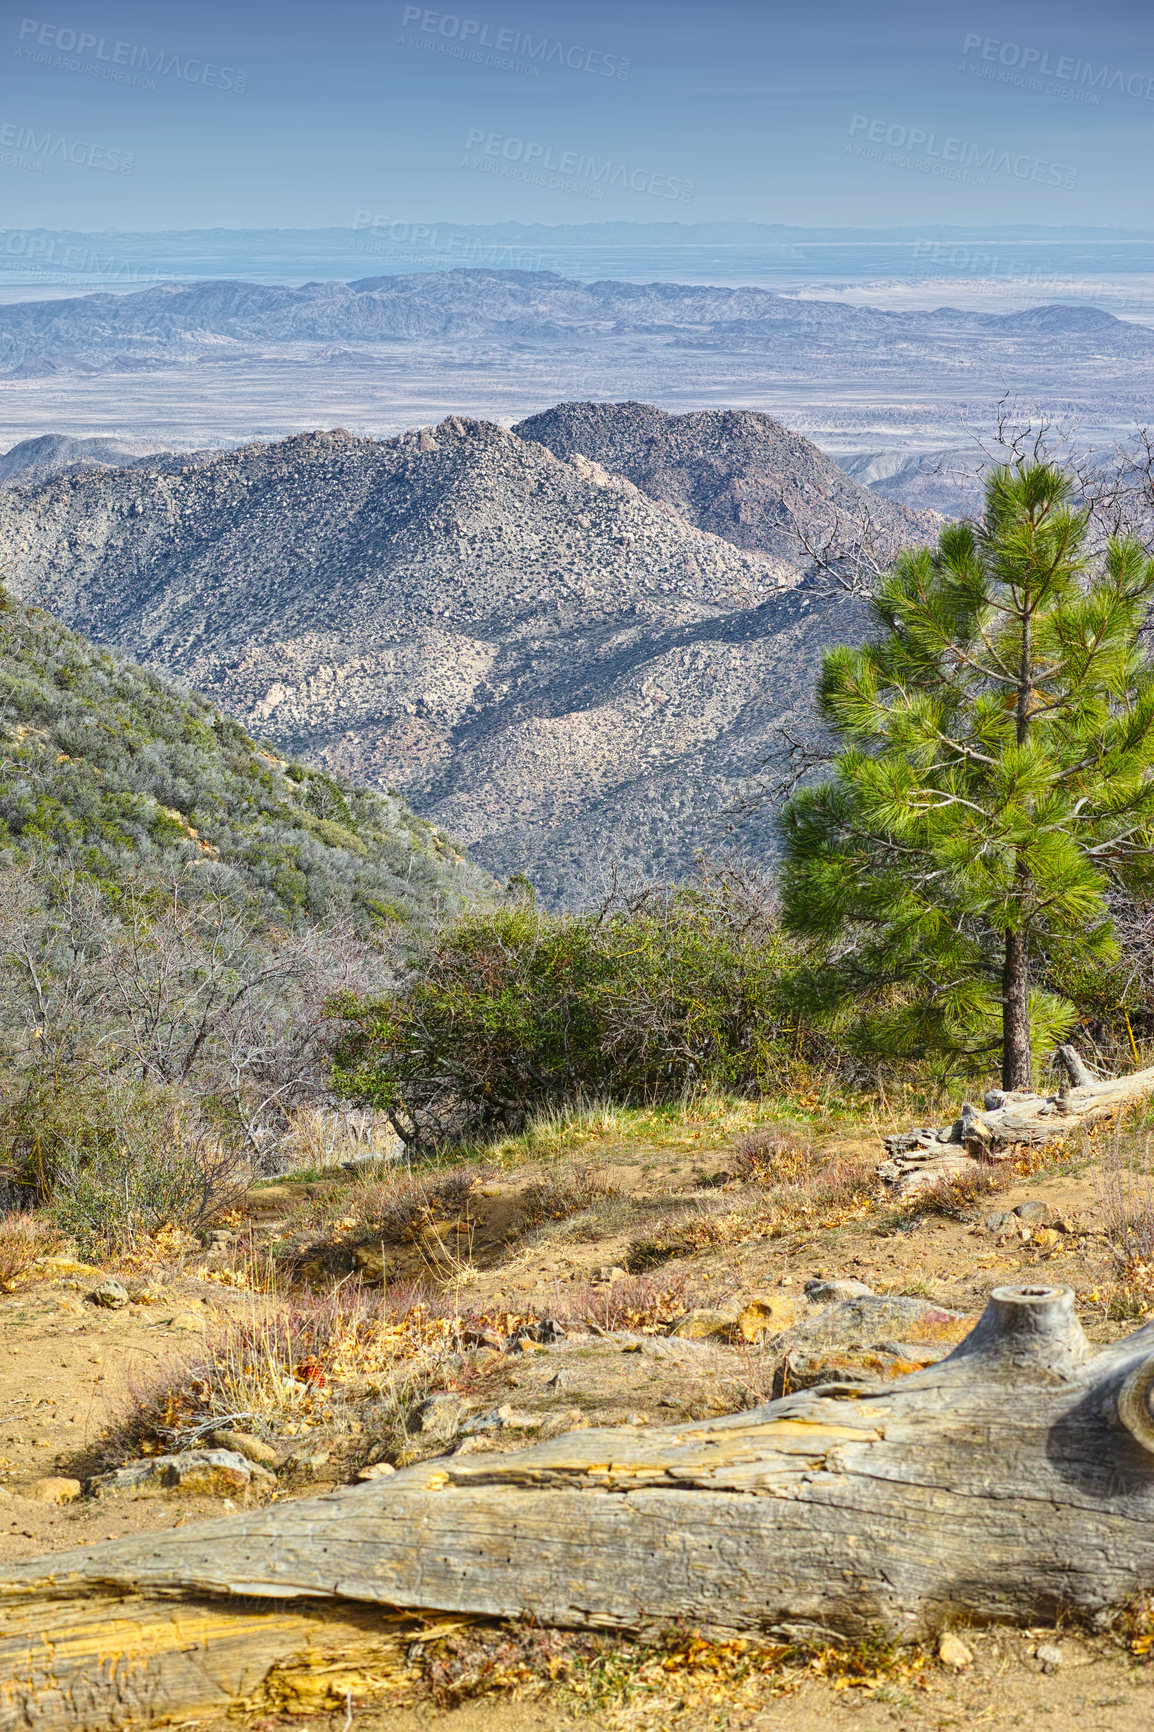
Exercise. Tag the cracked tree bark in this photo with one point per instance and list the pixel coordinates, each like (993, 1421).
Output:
(1014, 1480)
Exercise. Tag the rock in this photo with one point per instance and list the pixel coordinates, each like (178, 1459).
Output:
(1048, 1656)
(379, 1470)
(611, 1272)
(110, 1294)
(306, 1463)
(503, 1418)
(1000, 1220)
(252, 1448)
(187, 1323)
(1047, 1237)
(439, 1418)
(704, 1321)
(373, 1264)
(54, 1490)
(875, 1318)
(767, 1315)
(1033, 1211)
(192, 1473)
(953, 1652)
(822, 1292)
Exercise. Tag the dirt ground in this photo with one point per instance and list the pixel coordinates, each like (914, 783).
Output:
(69, 1369)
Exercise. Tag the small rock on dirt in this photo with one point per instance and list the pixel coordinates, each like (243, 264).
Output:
(954, 1653)
(439, 1417)
(110, 1295)
(822, 1292)
(252, 1448)
(1033, 1211)
(53, 1490)
(379, 1470)
(192, 1473)
(308, 1462)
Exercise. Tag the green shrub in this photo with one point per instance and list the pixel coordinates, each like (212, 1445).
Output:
(511, 1011)
(112, 1160)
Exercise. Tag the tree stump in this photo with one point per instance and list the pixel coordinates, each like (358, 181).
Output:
(1013, 1480)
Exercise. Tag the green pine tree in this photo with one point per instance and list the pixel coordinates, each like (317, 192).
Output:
(995, 775)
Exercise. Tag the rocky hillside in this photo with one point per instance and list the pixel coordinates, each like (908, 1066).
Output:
(549, 663)
(34, 460)
(732, 472)
(135, 777)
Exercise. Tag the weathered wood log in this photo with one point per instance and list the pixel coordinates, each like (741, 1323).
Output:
(923, 1157)
(1014, 1480)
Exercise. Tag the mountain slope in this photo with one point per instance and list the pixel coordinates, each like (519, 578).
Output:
(131, 773)
(36, 460)
(732, 472)
(546, 660)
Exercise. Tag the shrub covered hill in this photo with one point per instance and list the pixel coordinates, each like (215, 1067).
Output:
(129, 774)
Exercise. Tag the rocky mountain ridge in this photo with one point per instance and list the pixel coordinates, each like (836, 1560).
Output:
(549, 663)
(732, 472)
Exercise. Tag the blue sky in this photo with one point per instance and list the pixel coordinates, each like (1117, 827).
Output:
(827, 112)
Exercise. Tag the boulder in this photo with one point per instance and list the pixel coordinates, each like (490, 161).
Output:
(767, 1314)
(869, 1339)
(704, 1321)
(192, 1473)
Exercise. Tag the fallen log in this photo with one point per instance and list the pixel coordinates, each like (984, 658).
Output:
(1014, 1480)
(1009, 1120)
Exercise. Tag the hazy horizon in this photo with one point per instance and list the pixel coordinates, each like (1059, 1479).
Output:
(145, 117)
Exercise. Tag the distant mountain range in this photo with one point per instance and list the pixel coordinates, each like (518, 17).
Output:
(218, 323)
(720, 251)
(553, 664)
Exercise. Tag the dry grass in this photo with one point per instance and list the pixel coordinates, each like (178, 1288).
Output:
(24, 1239)
(791, 1189)
(285, 1369)
(651, 1684)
